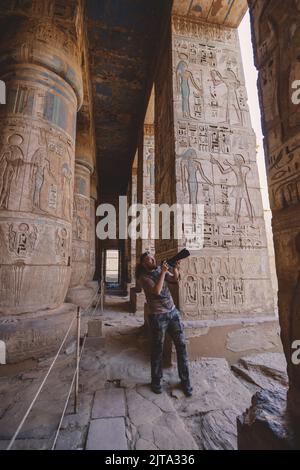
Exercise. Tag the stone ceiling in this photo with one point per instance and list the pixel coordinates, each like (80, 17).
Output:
(123, 40)
(224, 12)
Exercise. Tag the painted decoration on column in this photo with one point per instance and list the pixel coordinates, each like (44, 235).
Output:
(36, 191)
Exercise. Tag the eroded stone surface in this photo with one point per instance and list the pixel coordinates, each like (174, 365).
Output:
(210, 414)
(254, 338)
(266, 424)
(266, 371)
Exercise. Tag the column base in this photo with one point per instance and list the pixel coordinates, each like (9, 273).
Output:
(266, 425)
(231, 339)
(36, 335)
(137, 300)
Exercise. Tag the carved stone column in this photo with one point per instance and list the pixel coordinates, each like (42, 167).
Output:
(145, 196)
(205, 152)
(80, 260)
(40, 64)
(276, 39)
(133, 201)
(93, 202)
(146, 182)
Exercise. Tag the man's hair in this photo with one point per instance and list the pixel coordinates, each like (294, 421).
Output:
(140, 270)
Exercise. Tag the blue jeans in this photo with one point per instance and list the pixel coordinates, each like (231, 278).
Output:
(161, 324)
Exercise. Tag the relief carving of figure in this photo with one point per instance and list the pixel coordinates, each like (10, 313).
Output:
(79, 228)
(190, 167)
(66, 190)
(150, 166)
(11, 158)
(62, 242)
(22, 240)
(223, 290)
(232, 84)
(191, 290)
(184, 77)
(40, 164)
(207, 291)
(240, 191)
(238, 292)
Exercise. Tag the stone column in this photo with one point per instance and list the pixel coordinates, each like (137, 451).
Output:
(206, 154)
(133, 242)
(145, 183)
(80, 260)
(145, 196)
(93, 202)
(276, 38)
(40, 64)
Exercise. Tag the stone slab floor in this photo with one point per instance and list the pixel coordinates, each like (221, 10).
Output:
(117, 408)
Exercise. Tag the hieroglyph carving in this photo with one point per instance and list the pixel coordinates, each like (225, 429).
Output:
(216, 166)
(213, 284)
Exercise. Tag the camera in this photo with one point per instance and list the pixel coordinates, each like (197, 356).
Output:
(181, 255)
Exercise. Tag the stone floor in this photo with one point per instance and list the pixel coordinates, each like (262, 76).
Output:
(117, 409)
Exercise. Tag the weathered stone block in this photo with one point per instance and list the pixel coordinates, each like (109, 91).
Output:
(107, 434)
(94, 328)
(109, 404)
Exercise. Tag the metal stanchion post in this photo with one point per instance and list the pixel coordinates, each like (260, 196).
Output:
(102, 283)
(76, 401)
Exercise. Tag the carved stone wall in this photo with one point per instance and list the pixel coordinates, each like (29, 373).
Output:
(214, 163)
(276, 38)
(40, 64)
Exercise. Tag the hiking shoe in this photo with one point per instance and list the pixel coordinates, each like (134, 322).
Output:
(187, 389)
(156, 387)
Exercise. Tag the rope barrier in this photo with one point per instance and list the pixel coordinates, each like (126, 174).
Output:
(12, 441)
(75, 376)
(68, 398)
(91, 302)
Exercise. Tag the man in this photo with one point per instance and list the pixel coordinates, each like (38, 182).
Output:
(163, 318)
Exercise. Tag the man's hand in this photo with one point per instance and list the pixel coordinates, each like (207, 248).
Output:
(176, 270)
(165, 267)
(164, 270)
